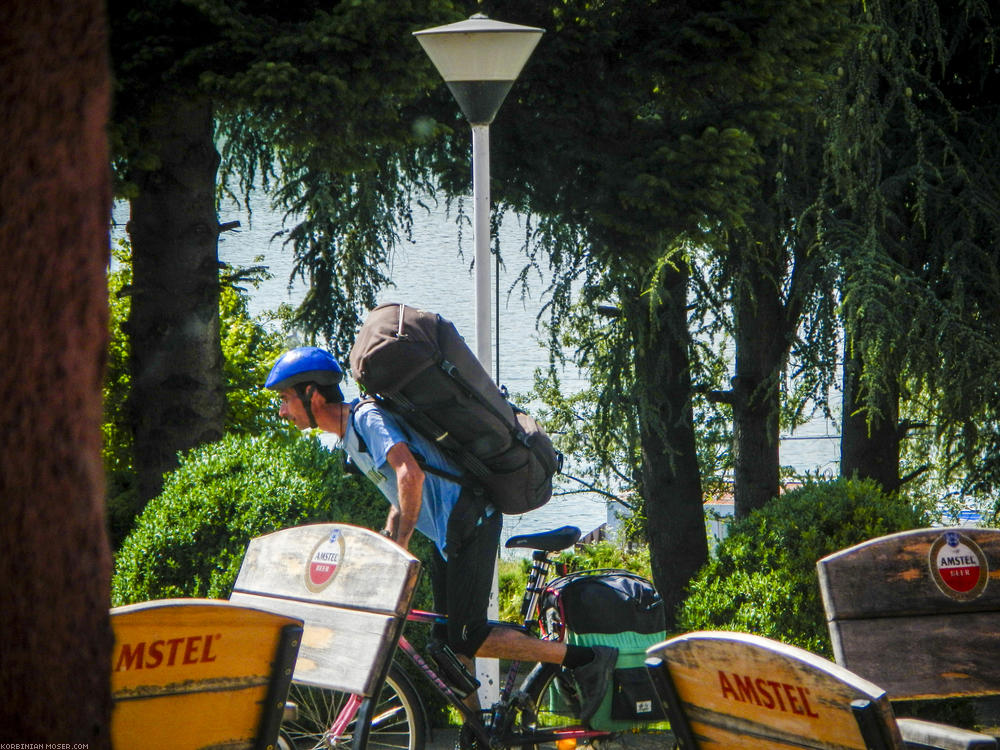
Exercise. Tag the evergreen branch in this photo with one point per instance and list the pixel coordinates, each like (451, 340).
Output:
(914, 474)
(589, 487)
(722, 397)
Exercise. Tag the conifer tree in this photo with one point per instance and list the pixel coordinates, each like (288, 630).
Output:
(304, 101)
(637, 133)
(913, 148)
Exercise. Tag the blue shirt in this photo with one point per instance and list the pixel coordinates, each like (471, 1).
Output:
(370, 433)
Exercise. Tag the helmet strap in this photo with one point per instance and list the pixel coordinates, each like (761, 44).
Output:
(305, 396)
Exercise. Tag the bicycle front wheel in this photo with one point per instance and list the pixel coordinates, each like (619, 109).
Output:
(398, 720)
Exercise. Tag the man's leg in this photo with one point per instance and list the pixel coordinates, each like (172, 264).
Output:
(473, 541)
(511, 643)
(591, 666)
(473, 544)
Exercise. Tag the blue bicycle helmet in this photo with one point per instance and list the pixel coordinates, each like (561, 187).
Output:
(304, 364)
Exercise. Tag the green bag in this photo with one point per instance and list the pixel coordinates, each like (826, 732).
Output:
(608, 608)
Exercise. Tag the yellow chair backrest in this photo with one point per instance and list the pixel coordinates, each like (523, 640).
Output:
(726, 690)
(196, 673)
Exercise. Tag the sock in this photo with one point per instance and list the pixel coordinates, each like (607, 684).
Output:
(577, 656)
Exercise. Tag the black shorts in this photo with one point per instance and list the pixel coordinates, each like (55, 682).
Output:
(463, 583)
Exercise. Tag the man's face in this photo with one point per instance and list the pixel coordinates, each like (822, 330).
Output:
(292, 409)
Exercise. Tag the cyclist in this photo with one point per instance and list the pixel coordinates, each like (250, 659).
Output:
(463, 526)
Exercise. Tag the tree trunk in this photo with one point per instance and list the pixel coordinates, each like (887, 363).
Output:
(761, 351)
(868, 451)
(178, 399)
(671, 481)
(55, 565)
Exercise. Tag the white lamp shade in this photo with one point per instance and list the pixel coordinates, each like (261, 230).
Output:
(479, 59)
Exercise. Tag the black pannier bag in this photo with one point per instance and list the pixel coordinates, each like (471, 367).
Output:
(609, 608)
(415, 364)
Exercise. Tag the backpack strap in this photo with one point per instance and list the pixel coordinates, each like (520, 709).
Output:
(349, 466)
(402, 407)
(421, 462)
(361, 441)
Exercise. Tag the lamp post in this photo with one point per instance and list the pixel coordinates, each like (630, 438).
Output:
(480, 59)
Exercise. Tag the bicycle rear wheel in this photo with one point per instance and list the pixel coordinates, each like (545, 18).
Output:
(398, 720)
(552, 701)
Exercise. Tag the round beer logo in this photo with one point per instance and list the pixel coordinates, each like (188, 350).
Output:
(958, 566)
(324, 561)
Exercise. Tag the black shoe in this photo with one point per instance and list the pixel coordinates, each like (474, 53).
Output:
(566, 700)
(593, 679)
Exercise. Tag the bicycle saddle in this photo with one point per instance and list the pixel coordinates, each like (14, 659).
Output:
(546, 541)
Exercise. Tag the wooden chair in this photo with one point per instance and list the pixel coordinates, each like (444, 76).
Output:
(918, 611)
(351, 587)
(197, 673)
(733, 690)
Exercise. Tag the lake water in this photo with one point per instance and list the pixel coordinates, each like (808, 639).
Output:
(433, 273)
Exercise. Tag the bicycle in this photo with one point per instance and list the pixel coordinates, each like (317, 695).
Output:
(530, 714)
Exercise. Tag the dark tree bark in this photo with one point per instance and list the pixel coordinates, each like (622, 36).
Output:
(178, 397)
(671, 481)
(869, 451)
(761, 352)
(768, 303)
(55, 639)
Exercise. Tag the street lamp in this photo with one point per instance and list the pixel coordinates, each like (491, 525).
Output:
(480, 59)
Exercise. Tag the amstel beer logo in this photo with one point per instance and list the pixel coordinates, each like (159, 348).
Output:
(324, 561)
(958, 566)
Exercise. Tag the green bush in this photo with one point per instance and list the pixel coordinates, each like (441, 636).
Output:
(512, 576)
(763, 579)
(190, 540)
(608, 555)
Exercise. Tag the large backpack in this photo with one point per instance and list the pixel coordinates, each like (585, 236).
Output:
(416, 364)
(608, 608)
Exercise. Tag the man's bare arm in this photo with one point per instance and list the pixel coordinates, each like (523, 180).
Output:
(410, 486)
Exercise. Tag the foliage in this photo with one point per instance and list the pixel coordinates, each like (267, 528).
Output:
(248, 349)
(607, 555)
(311, 105)
(598, 426)
(762, 578)
(117, 441)
(912, 150)
(512, 576)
